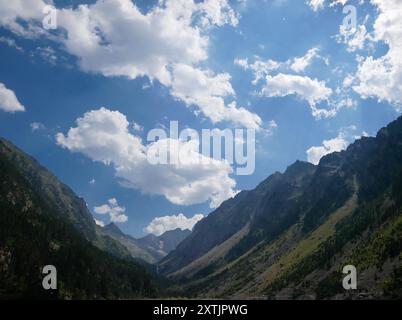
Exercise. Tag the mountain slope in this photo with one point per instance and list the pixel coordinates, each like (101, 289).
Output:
(303, 226)
(134, 249)
(42, 222)
(233, 216)
(162, 245)
(150, 248)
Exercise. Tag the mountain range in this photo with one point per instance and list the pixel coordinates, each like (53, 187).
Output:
(289, 238)
(150, 248)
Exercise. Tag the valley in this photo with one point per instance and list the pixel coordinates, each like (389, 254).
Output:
(288, 238)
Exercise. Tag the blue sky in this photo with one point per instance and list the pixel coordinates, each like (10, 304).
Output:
(193, 63)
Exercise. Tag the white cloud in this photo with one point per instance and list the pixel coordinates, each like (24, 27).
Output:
(271, 127)
(115, 38)
(340, 2)
(11, 43)
(36, 126)
(162, 224)
(113, 210)
(47, 53)
(314, 154)
(316, 4)
(8, 100)
(339, 143)
(311, 90)
(92, 181)
(381, 77)
(218, 12)
(259, 67)
(299, 64)
(280, 83)
(99, 222)
(348, 81)
(103, 136)
(354, 37)
(262, 68)
(137, 127)
(242, 63)
(208, 91)
(118, 40)
(12, 13)
(113, 201)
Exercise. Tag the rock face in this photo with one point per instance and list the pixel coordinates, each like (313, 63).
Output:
(166, 242)
(292, 234)
(150, 248)
(273, 201)
(42, 222)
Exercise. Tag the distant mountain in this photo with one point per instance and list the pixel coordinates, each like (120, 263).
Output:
(162, 245)
(169, 240)
(113, 230)
(291, 236)
(42, 222)
(150, 248)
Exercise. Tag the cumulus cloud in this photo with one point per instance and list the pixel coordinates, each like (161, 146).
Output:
(103, 136)
(115, 38)
(36, 126)
(13, 13)
(217, 12)
(8, 100)
(381, 77)
(280, 82)
(299, 64)
(207, 91)
(260, 68)
(314, 154)
(162, 224)
(340, 142)
(113, 210)
(311, 90)
(354, 38)
(164, 44)
(316, 4)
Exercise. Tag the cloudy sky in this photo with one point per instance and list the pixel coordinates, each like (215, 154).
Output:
(82, 95)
